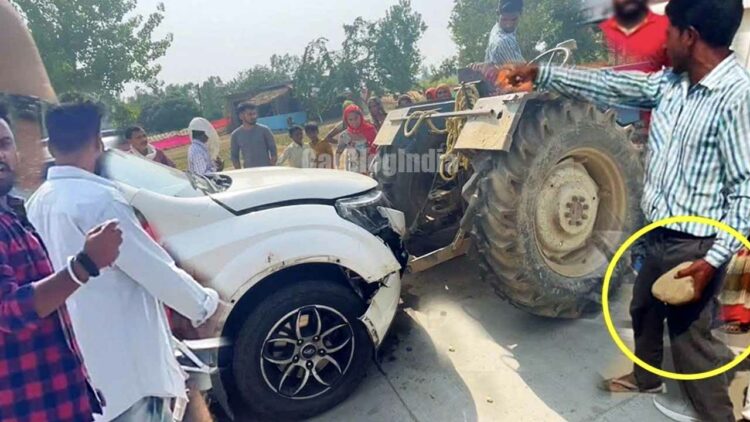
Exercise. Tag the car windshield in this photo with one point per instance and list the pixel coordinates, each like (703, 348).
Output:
(145, 174)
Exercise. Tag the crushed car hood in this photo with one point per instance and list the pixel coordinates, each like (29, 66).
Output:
(270, 186)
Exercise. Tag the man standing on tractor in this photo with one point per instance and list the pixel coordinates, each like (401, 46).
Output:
(636, 36)
(503, 47)
(699, 166)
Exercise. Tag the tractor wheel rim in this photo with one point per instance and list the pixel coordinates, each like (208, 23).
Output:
(307, 352)
(580, 212)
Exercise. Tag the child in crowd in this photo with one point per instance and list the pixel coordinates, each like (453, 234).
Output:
(297, 154)
(322, 149)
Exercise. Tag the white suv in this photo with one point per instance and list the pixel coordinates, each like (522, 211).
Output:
(310, 261)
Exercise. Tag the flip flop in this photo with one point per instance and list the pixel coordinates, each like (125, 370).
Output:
(625, 384)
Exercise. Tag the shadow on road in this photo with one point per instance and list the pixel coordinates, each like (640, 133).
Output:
(412, 382)
(516, 366)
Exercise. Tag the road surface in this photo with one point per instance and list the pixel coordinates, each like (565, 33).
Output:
(458, 353)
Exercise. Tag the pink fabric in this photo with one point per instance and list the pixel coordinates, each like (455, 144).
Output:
(172, 142)
(177, 140)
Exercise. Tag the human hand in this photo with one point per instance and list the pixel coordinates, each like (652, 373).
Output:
(702, 273)
(219, 164)
(102, 244)
(213, 326)
(520, 77)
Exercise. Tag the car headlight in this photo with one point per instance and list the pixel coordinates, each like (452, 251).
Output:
(363, 210)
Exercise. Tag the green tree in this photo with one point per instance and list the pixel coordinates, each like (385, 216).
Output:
(211, 98)
(554, 21)
(285, 64)
(96, 46)
(355, 68)
(551, 21)
(447, 69)
(470, 24)
(395, 51)
(255, 78)
(124, 114)
(168, 114)
(315, 78)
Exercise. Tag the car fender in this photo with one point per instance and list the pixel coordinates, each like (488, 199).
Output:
(313, 234)
(233, 254)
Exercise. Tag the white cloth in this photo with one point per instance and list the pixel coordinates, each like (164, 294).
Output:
(203, 125)
(299, 156)
(118, 318)
(150, 154)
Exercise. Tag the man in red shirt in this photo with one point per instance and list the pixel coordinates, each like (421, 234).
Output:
(636, 36)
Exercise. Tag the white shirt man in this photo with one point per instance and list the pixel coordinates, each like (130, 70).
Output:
(119, 321)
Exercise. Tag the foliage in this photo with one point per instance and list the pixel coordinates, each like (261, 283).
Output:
(554, 21)
(173, 113)
(285, 64)
(376, 57)
(95, 46)
(211, 95)
(255, 78)
(314, 80)
(551, 21)
(436, 75)
(395, 52)
(124, 114)
(470, 24)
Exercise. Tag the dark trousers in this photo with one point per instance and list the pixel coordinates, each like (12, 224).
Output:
(694, 348)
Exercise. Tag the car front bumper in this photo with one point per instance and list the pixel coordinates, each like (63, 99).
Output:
(382, 309)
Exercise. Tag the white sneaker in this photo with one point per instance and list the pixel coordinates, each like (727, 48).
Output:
(676, 408)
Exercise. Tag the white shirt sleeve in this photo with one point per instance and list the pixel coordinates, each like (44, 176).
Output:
(149, 265)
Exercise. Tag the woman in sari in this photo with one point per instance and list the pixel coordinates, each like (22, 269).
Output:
(358, 141)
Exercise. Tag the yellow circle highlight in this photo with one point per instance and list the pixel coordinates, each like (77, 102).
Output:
(608, 317)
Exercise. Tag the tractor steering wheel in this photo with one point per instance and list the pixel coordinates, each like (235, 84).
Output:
(566, 54)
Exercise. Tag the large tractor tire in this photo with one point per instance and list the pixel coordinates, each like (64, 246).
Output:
(554, 208)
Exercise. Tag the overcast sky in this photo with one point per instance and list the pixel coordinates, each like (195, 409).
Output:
(223, 37)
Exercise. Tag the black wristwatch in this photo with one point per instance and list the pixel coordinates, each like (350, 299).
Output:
(88, 264)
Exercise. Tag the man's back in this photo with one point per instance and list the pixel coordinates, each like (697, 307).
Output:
(120, 324)
(255, 144)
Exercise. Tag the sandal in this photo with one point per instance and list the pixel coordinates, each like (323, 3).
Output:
(627, 384)
(734, 328)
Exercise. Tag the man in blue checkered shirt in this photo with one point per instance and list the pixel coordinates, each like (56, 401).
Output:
(699, 165)
(502, 46)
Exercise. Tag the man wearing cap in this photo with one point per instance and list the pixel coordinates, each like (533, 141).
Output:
(503, 45)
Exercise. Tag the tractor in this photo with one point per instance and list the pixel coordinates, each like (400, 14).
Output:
(538, 189)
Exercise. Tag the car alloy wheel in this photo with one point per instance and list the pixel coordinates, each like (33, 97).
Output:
(307, 352)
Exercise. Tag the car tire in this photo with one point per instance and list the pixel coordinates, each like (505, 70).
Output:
(260, 384)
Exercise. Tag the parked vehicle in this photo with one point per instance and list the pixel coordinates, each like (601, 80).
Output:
(310, 261)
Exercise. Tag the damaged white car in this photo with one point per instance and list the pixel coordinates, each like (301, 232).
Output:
(310, 261)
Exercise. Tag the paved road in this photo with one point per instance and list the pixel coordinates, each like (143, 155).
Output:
(457, 353)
